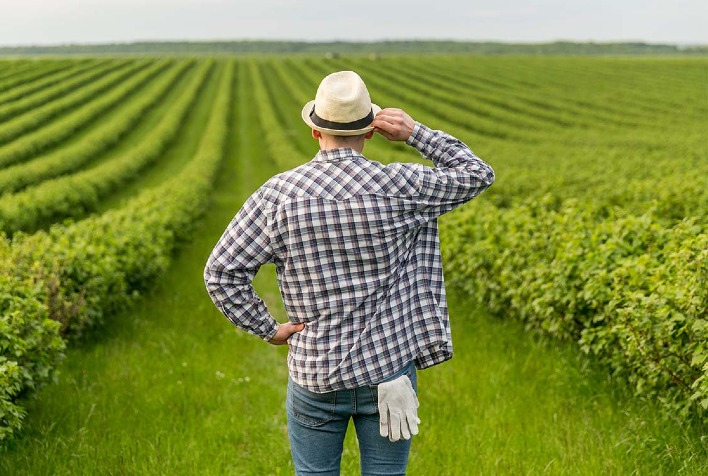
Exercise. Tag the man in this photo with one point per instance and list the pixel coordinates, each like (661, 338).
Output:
(356, 248)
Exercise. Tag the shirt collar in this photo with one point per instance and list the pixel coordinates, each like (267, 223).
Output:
(333, 155)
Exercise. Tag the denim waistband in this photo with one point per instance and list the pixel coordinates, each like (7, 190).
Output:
(409, 368)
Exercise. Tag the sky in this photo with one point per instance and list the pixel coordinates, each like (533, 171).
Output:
(48, 22)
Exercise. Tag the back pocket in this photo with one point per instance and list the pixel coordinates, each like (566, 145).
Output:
(310, 408)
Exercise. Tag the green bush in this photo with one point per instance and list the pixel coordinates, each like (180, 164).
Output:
(626, 288)
(30, 344)
(74, 275)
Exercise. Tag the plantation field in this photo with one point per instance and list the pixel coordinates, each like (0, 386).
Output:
(578, 283)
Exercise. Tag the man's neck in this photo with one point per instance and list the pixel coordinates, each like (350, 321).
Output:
(332, 142)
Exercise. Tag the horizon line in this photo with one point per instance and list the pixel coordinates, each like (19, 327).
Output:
(389, 40)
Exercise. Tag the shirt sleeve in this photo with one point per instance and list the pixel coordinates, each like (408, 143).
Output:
(458, 176)
(240, 252)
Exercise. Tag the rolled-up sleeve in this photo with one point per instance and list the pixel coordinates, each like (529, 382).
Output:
(240, 252)
(458, 176)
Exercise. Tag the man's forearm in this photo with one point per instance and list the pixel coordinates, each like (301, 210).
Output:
(458, 176)
(445, 150)
(241, 305)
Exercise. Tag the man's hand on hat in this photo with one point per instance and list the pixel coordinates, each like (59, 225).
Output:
(394, 124)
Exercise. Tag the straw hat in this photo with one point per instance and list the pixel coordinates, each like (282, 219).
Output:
(342, 106)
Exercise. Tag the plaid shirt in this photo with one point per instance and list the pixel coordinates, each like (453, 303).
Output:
(357, 254)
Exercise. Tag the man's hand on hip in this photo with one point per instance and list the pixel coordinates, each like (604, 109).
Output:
(398, 409)
(284, 332)
(393, 124)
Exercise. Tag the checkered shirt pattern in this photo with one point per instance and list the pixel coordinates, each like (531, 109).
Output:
(357, 254)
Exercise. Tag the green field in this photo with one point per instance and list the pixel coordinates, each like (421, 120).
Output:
(578, 283)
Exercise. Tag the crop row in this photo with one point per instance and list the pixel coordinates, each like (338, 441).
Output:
(625, 288)
(514, 97)
(15, 108)
(642, 90)
(37, 141)
(14, 68)
(645, 83)
(74, 275)
(491, 83)
(634, 176)
(42, 79)
(603, 103)
(276, 140)
(574, 82)
(29, 114)
(32, 72)
(69, 159)
(286, 99)
(79, 193)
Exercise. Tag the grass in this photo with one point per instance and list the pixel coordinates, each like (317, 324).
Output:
(527, 405)
(170, 387)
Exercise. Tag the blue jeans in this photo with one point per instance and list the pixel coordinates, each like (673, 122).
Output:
(317, 423)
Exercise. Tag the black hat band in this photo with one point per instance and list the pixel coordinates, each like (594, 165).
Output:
(342, 126)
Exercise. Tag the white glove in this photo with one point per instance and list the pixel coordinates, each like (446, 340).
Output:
(398, 409)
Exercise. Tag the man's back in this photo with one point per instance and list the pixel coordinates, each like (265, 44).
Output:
(349, 242)
(356, 247)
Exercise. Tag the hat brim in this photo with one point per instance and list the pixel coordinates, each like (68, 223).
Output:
(335, 132)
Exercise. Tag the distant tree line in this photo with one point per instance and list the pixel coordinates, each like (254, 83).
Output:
(245, 47)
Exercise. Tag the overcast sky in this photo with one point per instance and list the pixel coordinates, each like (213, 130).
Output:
(24, 22)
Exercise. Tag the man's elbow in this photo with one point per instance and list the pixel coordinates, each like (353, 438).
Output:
(483, 180)
(489, 178)
(210, 281)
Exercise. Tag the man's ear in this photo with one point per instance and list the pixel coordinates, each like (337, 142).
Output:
(369, 134)
(316, 134)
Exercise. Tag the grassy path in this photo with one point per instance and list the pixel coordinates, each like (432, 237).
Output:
(170, 387)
